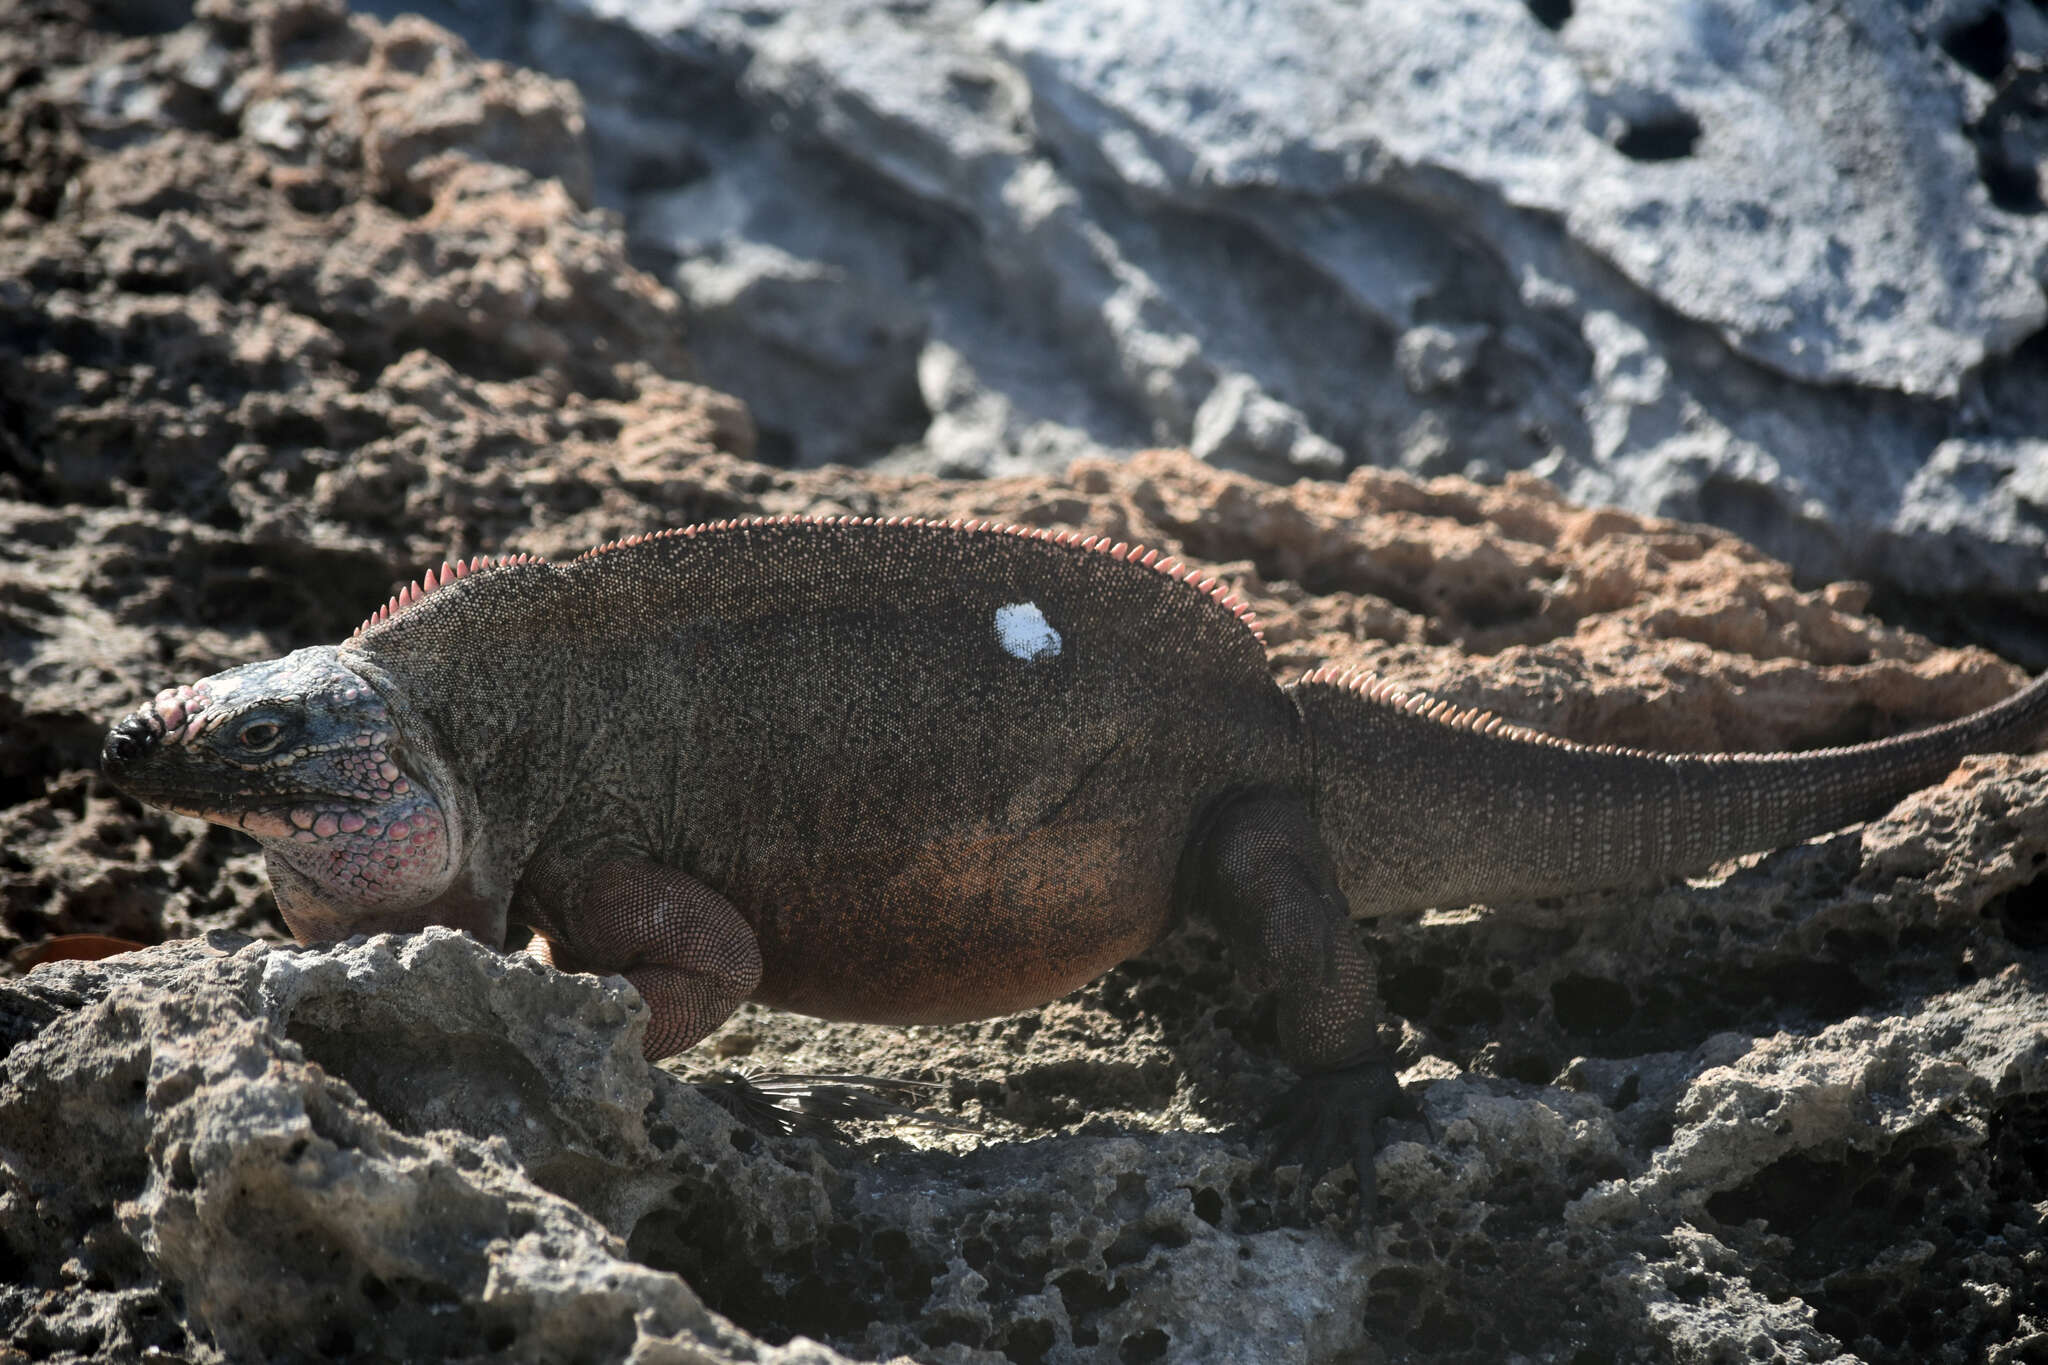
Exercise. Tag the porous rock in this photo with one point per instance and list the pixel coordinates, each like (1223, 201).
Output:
(1790, 1109)
(1771, 265)
(198, 1160)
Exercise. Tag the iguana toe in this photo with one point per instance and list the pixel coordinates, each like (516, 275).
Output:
(1329, 1120)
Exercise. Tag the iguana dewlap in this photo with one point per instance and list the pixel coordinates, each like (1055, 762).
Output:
(898, 771)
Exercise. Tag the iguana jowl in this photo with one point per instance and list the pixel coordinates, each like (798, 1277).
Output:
(899, 771)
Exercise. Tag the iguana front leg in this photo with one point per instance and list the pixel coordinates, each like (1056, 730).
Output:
(691, 956)
(1267, 885)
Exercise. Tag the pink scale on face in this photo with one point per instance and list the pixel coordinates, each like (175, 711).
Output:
(372, 839)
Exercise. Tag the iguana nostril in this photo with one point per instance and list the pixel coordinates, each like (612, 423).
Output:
(118, 752)
(127, 742)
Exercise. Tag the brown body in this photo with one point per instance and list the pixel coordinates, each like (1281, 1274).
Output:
(923, 810)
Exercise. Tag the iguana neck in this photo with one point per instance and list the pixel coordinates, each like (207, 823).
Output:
(499, 749)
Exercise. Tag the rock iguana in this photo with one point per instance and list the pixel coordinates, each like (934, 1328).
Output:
(899, 771)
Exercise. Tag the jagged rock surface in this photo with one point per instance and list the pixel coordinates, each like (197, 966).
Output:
(260, 1183)
(1790, 1110)
(1770, 265)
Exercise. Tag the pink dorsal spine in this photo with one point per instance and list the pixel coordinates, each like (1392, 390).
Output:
(1210, 587)
(1098, 544)
(432, 581)
(1375, 688)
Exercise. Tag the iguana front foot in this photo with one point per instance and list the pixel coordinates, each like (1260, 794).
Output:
(691, 956)
(1331, 1118)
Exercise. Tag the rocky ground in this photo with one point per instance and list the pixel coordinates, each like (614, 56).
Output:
(294, 303)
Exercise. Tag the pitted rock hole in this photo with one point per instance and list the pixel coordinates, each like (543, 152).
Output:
(1982, 45)
(2012, 142)
(1668, 135)
(1589, 1005)
(1412, 991)
(1139, 1347)
(2023, 912)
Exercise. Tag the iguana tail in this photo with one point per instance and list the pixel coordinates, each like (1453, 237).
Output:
(1420, 804)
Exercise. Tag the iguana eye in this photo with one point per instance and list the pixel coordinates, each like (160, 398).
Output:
(259, 736)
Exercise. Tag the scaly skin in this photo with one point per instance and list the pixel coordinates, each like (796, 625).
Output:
(903, 772)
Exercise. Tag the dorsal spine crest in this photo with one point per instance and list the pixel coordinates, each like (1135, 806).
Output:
(1097, 544)
(1385, 692)
(432, 581)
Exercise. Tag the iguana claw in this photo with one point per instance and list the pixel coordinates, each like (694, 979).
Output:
(780, 1103)
(1329, 1119)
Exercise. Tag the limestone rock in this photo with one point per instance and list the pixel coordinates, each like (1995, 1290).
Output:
(296, 302)
(1769, 265)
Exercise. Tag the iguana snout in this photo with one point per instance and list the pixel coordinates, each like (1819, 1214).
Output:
(303, 754)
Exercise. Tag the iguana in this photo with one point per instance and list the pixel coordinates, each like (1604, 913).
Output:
(903, 771)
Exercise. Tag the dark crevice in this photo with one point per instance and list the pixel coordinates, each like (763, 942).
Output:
(2014, 189)
(1150, 1344)
(1668, 136)
(2012, 142)
(2023, 914)
(1999, 624)
(145, 18)
(1983, 45)
(1588, 1005)
(1552, 14)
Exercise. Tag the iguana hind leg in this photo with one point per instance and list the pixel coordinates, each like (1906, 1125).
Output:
(682, 945)
(1267, 885)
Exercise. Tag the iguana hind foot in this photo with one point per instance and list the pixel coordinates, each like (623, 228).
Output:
(1330, 1118)
(1267, 885)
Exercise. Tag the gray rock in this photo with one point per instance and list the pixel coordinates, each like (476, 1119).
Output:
(1238, 425)
(249, 384)
(418, 1148)
(815, 336)
(1754, 263)
(249, 1153)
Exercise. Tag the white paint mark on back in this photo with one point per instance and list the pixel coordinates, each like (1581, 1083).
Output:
(1024, 633)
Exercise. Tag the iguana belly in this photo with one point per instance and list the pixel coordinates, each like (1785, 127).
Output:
(966, 926)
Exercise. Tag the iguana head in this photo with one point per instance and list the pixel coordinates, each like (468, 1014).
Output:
(303, 754)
